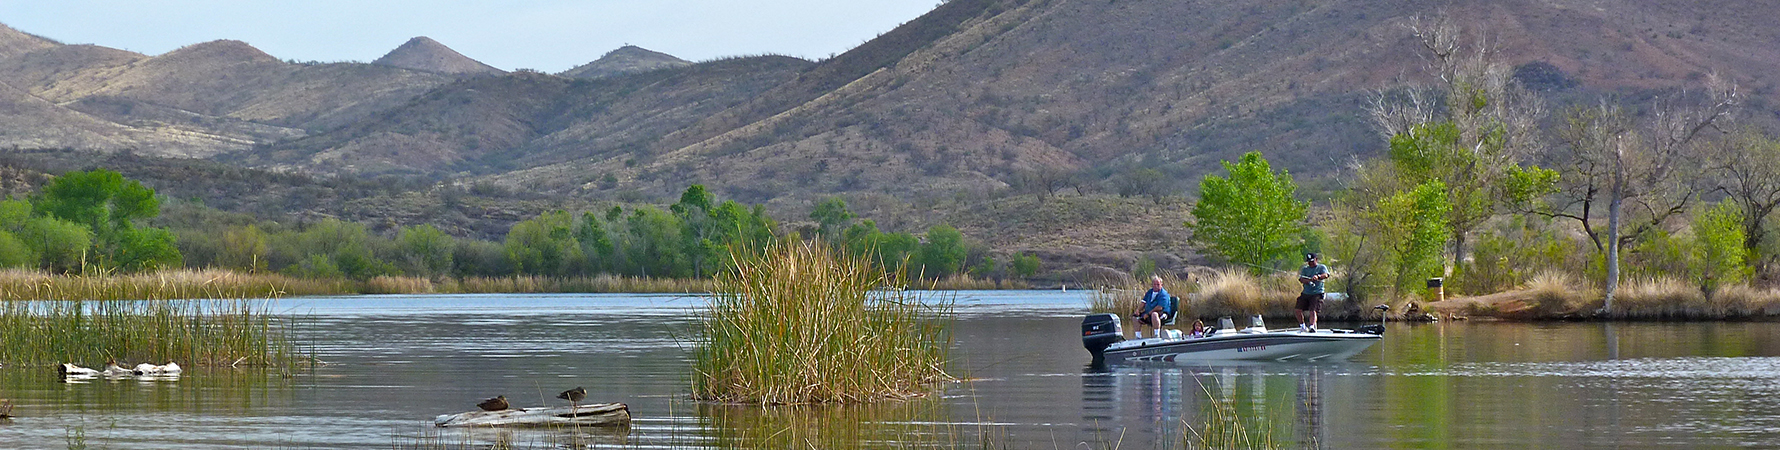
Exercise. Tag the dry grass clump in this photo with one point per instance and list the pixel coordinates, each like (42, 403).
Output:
(1556, 294)
(1658, 298)
(1741, 300)
(602, 283)
(19, 284)
(1672, 298)
(1124, 300)
(805, 324)
(1238, 292)
(965, 282)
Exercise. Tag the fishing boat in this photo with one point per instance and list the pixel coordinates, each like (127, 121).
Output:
(1104, 337)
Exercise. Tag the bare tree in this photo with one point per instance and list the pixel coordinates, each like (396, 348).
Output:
(1494, 124)
(1610, 161)
(1747, 166)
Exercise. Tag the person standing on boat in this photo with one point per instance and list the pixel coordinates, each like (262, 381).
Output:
(1155, 308)
(1311, 301)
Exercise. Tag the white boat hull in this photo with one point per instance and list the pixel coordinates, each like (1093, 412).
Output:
(1280, 345)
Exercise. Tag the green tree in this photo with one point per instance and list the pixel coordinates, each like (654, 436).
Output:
(1718, 246)
(426, 250)
(107, 204)
(944, 252)
(544, 245)
(832, 218)
(1024, 265)
(1412, 226)
(1250, 218)
(245, 248)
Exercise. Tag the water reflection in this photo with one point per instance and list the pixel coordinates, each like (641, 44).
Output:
(1198, 404)
(397, 362)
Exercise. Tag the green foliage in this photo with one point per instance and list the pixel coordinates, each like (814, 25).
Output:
(544, 245)
(1718, 247)
(832, 217)
(107, 204)
(944, 253)
(1410, 227)
(48, 243)
(1510, 255)
(1250, 218)
(245, 248)
(13, 252)
(1024, 265)
(427, 250)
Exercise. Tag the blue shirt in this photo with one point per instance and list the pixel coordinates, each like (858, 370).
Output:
(1157, 298)
(1315, 286)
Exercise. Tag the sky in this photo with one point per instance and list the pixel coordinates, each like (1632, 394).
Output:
(545, 35)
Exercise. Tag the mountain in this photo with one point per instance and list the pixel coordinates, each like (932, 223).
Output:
(937, 120)
(425, 54)
(522, 120)
(14, 42)
(978, 92)
(197, 101)
(626, 59)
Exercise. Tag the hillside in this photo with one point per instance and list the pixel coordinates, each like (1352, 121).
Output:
(14, 42)
(942, 119)
(626, 59)
(198, 101)
(427, 55)
(522, 120)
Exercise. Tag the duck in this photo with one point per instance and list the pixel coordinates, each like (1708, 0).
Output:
(5, 408)
(574, 396)
(499, 402)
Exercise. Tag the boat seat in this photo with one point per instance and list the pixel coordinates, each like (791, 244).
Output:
(1173, 305)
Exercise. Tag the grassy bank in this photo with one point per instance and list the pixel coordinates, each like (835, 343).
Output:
(804, 324)
(1558, 296)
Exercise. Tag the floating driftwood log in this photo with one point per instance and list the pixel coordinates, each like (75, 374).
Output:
(594, 415)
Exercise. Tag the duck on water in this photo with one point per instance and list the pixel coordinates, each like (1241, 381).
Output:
(1104, 338)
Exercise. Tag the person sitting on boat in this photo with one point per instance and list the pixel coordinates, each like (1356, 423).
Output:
(1198, 328)
(1156, 308)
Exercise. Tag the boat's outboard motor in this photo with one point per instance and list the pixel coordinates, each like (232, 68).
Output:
(1099, 331)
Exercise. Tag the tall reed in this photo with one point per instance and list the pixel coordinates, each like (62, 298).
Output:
(802, 323)
(17, 284)
(190, 332)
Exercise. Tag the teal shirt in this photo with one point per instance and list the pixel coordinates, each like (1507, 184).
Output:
(1314, 287)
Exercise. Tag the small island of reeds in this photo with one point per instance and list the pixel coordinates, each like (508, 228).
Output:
(801, 323)
(196, 319)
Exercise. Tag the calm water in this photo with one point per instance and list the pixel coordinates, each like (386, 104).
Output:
(397, 361)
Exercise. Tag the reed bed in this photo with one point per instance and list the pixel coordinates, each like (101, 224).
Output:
(18, 284)
(603, 283)
(191, 332)
(803, 324)
(1124, 300)
(965, 282)
(1238, 292)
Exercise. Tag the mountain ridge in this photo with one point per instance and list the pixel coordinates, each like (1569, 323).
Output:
(624, 60)
(425, 54)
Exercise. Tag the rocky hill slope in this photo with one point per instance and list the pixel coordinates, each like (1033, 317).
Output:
(626, 59)
(427, 55)
(926, 123)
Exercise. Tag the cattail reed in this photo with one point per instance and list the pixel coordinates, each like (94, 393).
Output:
(802, 324)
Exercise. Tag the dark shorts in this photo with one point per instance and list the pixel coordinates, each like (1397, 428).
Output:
(1310, 302)
(1166, 316)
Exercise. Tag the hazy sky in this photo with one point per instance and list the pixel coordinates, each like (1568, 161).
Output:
(547, 35)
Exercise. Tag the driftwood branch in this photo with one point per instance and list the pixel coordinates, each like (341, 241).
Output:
(592, 415)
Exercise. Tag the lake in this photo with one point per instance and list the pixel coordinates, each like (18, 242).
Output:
(395, 362)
